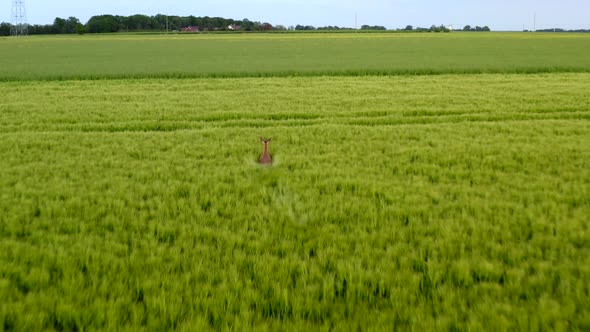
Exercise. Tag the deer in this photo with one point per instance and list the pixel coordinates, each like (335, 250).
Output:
(265, 158)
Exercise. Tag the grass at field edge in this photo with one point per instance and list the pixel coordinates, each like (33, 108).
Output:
(280, 74)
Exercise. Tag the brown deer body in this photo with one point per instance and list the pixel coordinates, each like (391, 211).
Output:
(265, 158)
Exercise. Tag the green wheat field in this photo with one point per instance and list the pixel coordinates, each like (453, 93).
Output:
(420, 182)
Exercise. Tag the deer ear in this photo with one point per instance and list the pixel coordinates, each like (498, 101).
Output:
(261, 139)
(269, 139)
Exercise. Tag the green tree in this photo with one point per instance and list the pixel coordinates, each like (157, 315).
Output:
(306, 27)
(247, 24)
(80, 29)
(59, 25)
(70, 25)
(37, 29)
(467, 28)
(102, 24)
(140, 22)
(5, 29)
(372, 27)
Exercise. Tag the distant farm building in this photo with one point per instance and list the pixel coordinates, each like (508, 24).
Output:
(190, 29)
(234, 27)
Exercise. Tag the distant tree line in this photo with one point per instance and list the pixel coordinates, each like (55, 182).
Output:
(160, 22)
(333, 28)
(59, 26)
(114, 23)
(373, 27)
(111, 23)
(561, 30)
(433, 28)
(304, 27)
(477, 28)
(442, 28)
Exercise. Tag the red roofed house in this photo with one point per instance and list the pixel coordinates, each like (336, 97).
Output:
(191, 29)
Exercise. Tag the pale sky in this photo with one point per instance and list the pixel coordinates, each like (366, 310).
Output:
(497, 14)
